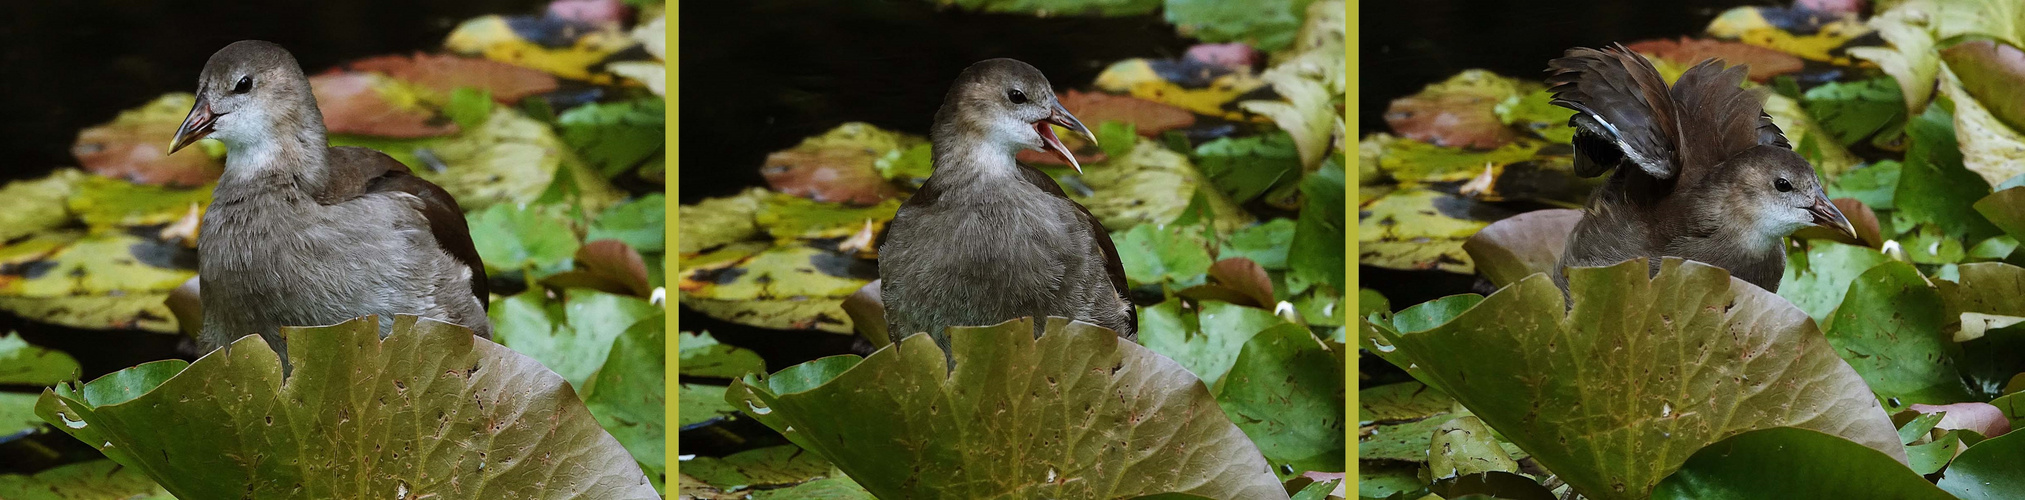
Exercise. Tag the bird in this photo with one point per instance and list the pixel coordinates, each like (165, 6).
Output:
(300, 233)
(1700, 171)
(986, 239)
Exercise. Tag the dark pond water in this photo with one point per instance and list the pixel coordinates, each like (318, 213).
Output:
(68, 65)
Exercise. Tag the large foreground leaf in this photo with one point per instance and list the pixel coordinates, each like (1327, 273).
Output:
(1078, 413)
(1653, 368)
(1793, 463)
(428, 411)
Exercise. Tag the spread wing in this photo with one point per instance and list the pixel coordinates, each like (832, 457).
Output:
(1719, 118)
(360, 171)
(1622, 111)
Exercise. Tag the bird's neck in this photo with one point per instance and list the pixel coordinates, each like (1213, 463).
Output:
(964, 156)
(291, 157)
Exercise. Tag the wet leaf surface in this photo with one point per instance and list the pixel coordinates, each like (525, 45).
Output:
(135, 146)
(97, 479)
(1789, 461)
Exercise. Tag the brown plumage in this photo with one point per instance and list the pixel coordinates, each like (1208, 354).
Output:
(987, 240)
(303, 234)
(1701, 172)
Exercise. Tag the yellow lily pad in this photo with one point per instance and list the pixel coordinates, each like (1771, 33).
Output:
(494, 38)
(1137, 77)
(1808, 34)
(1419, 229)
(106, 203)
(31, 206)
(792, 287)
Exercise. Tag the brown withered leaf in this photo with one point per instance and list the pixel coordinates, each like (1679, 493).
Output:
(445, 73)
(1149, 118)
(135, 146)
(828, 174)
(358, 103)
(1461, 112)
(606, 265)
(1765, 63)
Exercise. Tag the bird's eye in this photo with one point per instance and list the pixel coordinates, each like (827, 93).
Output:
(1016, 96)
(245, 85)
(1782, 185)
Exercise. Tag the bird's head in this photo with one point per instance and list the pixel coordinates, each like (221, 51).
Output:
(1777, 192)
(248, 90)
(1009, 104)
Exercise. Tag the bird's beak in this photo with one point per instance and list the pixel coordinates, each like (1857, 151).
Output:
(1826, 215)
(1060, 116)
(195, 126)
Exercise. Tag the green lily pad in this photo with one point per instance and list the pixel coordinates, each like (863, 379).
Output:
(1245, 168)
(839, 487)
(1460, 112)
(1171, 255)
(901, 423)
(702, 403)
(629, 394)
(1816, 280)
(1930, 457)
(702, 356)
(104, 202)
(1410, 441)
(574, 337)
(1873, 185)
(28, 364)
(2006, 209)
(32, 206)
(1285, 390)
(1643, 404)
(640, 222)
(1316, 253)
(529, 237)
(1401, 401)
(1383, 480)
(1058, 7)
(1206, 341)
(791, 287)
(1788, 462)
(1934, 187)
(1536, 112)
(1415, 162)
(1265, 244)
(1988, 470)
(1150, 185)
(105, 280)
(1853, 111)
(1927, 244)
(1890, 332)
(1268, 26)
(93, 480)
(1420, 229)
(616, 137)
(758, 468)
(718, 221)
(17, 414)
(440, 412)
(1463, 446)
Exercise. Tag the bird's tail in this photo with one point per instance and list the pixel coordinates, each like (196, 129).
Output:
(1623, 112)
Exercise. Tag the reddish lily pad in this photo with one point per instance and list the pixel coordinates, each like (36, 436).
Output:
(373, 104)
(135, 146)
(1149, 118)
(1460, 112)
(446, 73)
(1765, 63)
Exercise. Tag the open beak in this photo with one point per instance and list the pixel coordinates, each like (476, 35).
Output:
(1826, 215)
(1060, 116)
(195, 126)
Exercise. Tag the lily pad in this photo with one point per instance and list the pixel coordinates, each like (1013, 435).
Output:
(1316, 255)
(717, 221)
(510, 159)
(107, 280)
(31, 206)
(1249, 167)
(1270, 25)
(1460, 112)
(445, 414)
(1788, 462)
(1420, 229)
(1265, 243)
(1853, 111)
(1873, 185)
(1148, 118)
(1285, 390)
(1989, 147)
(758, 469)
(28, 364)
(1464, 446)
(1990, 71)
(103, 202)
(1799, 30)
(573, 338)
(1206, 340)
(534, 238)
(1988, 470)
(2006, 209)
(376, 105)
(1509, 250)
(617, 137)
(1401, 401)
(703, 356)
(444, 74)
(93, 480)
(134, 146)
(790, 287)
(1760, 364)
(1170, 255)
(629, 394)
(640, 222)
(902, 423)
(1151, 185)
(1817, 279)
(1764, 63)
(578, 55)
(1890, 331)
(702, 404)
(1934, 187)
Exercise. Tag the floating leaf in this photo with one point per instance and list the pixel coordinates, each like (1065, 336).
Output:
(839, 166)
(640, 223)
(1522, 245)
(108, 280)
(507, 84)
(897, 425)
(1989, 147)
(92, 480)
(1853, 111)
(1269, 26)
(1990, 72)
(1148, 118)
(1401, 401)
(1764, 63)
(1151, 185)
(1792, 463)
(1285, 390)
(1816, 280)
(578, 57)
(762, 468)
(1810, 34)
(702, 404)
(1805, 132)
(717, 221)
(1460, 112)
(485, 405)
(27, 364)
(1890, 331)
(1910, 59)
(703, 356)
(135, 146)
(535, 238)
(573, 338)
(1207, 339)
(1983, 419)
(1207, 91)
(1652, 325)
(1265, 244)
(1873, 185)
(1535, 111)
(629, 394)
(1411, 161)
(510, 159)
(1170, 255)
(790, 287)
(372, 104)
(1934, 187)
(1248, 167)
(32, 206)
(103, 202)
(1316, 253)
(1464, 446)
(1420, 229)
(618, 137)
(1988, 470)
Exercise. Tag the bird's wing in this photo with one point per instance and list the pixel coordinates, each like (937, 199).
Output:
(1112, 266)
(1622, 111)
(1719, 118)
(356, 171)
